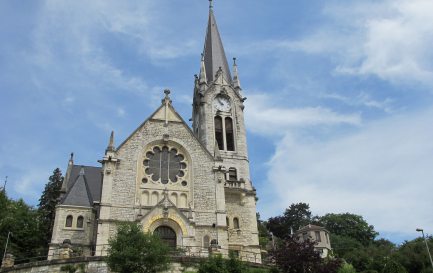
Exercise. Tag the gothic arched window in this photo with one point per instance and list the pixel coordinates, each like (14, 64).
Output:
(206, 241)
(219, 137)
(164, 164)
(230, 138)
(80, 222)
(69, 221)
(236, 223)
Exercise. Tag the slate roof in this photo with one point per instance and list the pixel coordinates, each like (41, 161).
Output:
(84, 186)
(310, 227)
(214, 55)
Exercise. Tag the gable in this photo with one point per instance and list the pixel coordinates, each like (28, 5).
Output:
(165, 115)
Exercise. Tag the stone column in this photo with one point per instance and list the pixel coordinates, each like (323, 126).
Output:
(66, 250)
(8, 261)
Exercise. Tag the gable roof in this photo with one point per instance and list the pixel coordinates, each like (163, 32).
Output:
(84, 186)
(173, 116)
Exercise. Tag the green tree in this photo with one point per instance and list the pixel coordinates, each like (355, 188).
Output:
(20, 219)
(47, 204)
(299, 257)
(413, 255)
(394, 267)
(346, 268)
(213, 264)
(296, 216)
(132, 250)
(350, 225)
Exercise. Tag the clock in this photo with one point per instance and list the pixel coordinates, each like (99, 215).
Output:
(222, 103)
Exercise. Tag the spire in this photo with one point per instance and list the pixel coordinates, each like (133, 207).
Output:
(214, 55)
(110, 147)
(202, 78)
(236, 82)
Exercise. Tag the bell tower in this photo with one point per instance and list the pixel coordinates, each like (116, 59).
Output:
(218, 107)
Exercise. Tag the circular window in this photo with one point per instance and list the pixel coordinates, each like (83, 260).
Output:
(164, 165)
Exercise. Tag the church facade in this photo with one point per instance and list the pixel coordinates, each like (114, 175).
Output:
(191, 186)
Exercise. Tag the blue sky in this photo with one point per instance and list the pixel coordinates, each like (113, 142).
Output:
(339, 111)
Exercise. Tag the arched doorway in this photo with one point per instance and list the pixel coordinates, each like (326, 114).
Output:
(167, 235)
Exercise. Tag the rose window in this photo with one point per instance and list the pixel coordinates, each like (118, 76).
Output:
(164, 165)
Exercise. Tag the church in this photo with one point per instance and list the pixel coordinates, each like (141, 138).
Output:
(191, 186)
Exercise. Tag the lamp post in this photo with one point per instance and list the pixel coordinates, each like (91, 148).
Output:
(6, 246)
(426, 245)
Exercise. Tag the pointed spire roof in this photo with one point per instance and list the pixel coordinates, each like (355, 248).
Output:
(214, 55)
(110, 147)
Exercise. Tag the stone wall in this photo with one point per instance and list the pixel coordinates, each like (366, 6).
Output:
(97, 265)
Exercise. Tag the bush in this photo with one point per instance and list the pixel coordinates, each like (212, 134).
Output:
(132, 250)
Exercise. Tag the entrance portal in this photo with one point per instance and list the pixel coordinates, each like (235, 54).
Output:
(167, 235)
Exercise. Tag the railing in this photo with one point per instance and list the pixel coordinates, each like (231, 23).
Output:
(181, 253)
(235, 184)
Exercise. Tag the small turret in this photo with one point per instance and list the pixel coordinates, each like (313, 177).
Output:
(110, 147)
(202, 78)
(64, 188)
(236, 82)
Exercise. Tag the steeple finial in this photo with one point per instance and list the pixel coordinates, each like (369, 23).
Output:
(210, 4)
(166, 102)
(71, 159)
(236, 81)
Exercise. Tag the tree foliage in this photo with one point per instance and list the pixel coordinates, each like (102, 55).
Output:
(298, 257)
(47, 204)
(21, 220)
(346, 268)
(349, 225)
(394, 267)
(132, 250)
(296, 216)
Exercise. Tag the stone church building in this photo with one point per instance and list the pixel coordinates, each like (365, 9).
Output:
(191, 186)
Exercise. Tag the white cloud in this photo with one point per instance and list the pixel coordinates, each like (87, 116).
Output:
(389, 39)
(265, 118)
(362, 99)
(382, 171)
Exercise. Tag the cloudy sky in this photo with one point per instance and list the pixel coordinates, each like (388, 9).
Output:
(339, 110)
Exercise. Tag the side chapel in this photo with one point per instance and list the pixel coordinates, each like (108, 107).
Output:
(191, 186)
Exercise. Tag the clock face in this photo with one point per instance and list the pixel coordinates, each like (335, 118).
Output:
(222, 103)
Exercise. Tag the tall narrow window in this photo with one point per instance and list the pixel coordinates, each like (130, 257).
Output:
(233, 176)
(206, 241)
(227, 222)
(236, 223)
(69, 221)
(219, 132)
(318, 238)
(80, 222)
(229, 135)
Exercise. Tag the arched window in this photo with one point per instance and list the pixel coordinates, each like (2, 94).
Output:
(229, 135)
(80, 222)
(227, 222)
(206, 241)
(236, 223)
(233, 176)
(69, 221)
(219, 132)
